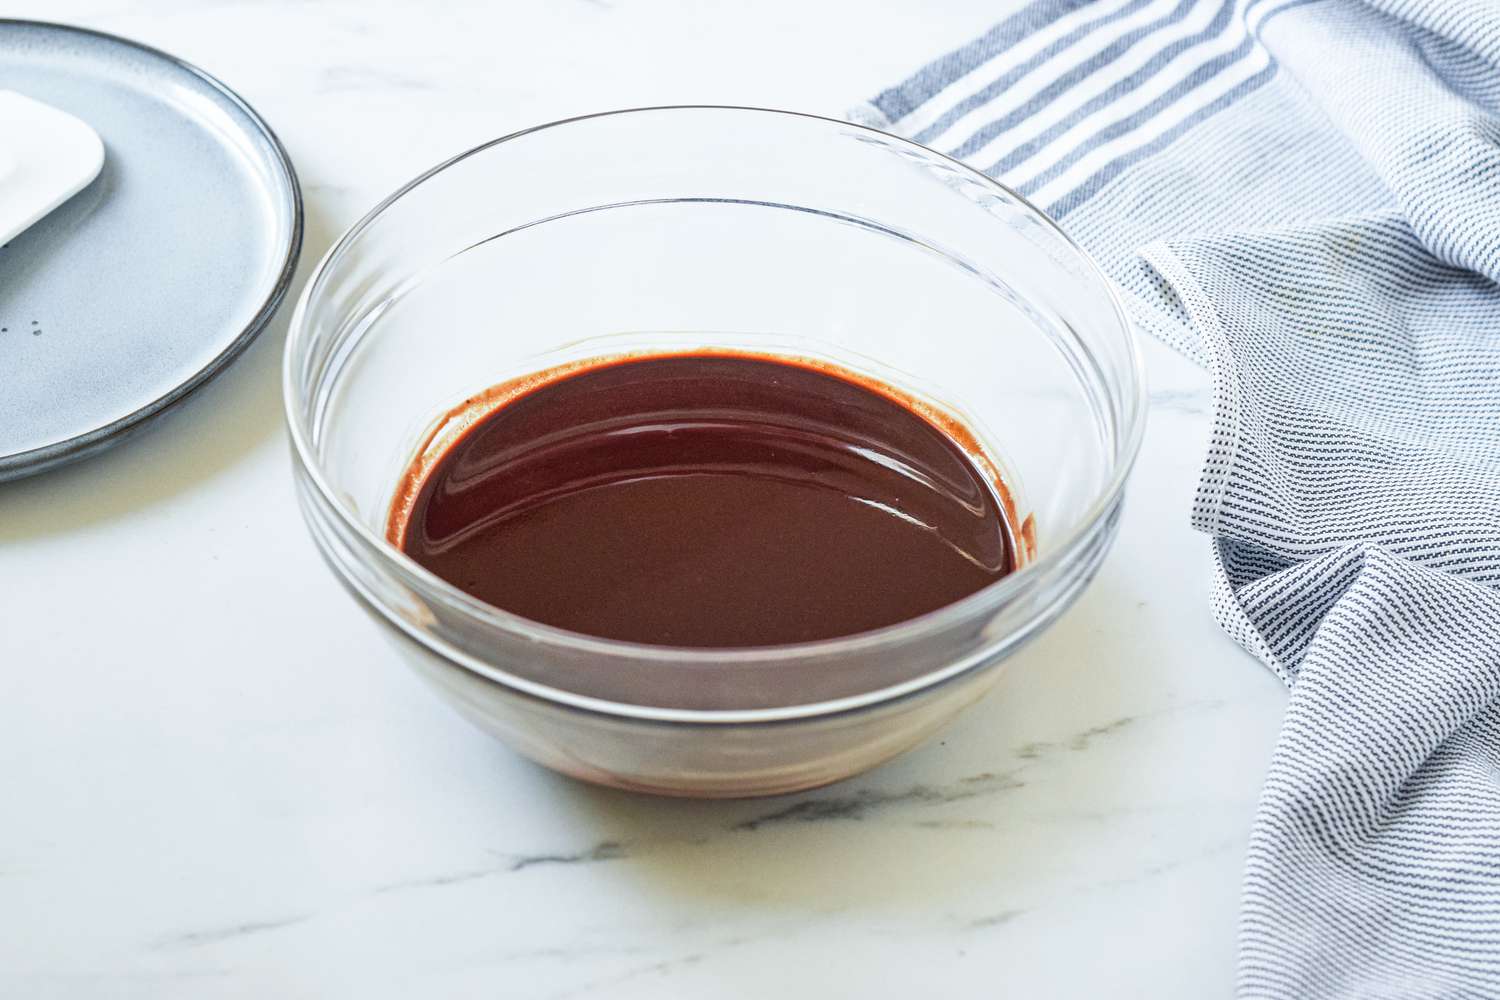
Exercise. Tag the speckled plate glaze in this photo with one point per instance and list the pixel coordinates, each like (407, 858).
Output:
(148, 282)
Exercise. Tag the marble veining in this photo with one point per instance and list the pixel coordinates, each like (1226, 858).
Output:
(605, 850)
(214, 935)
(1079, 741)
(860, 804)
(992, 920)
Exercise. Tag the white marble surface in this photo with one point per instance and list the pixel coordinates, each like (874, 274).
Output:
(215, 780)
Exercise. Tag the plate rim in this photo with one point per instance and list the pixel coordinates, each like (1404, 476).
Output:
(15, 465)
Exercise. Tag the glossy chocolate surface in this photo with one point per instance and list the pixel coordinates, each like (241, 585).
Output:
(707, 500)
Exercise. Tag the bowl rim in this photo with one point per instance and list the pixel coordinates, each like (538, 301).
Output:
(994, 595)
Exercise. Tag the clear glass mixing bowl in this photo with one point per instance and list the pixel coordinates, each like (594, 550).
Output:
(672, 228)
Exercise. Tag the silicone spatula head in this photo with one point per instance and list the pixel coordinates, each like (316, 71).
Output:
(46, 157)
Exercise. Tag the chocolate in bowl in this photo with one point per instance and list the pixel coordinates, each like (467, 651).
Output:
(839, 244)
(708, 499)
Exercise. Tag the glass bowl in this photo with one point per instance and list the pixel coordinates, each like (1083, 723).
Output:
(727, 228)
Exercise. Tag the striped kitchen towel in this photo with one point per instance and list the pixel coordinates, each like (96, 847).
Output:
(1305, 196)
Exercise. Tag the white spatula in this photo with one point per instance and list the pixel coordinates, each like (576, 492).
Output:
(46, 157)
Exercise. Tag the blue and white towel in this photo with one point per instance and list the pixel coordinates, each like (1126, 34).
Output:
(1305, 196)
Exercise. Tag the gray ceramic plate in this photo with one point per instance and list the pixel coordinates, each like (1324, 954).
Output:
(152, 279)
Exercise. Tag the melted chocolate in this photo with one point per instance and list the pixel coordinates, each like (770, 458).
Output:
(706, 500)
